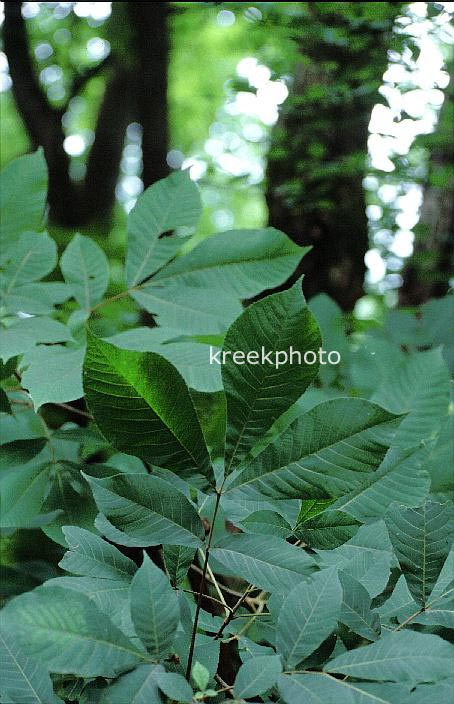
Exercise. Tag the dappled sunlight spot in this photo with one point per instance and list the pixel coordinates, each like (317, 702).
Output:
(43, 51)
(95, 10)
(412, 87)
(197, 168)
(98, 48)
(376, 266)
(225, 18)
(74, 145)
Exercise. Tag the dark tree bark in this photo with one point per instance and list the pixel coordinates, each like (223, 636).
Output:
(151, 41)
(103, 162)
(42, 122)
(428, 272)
(318, 154)
(136, 90)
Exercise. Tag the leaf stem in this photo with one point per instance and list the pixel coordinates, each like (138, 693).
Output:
(407, 620)
(207, 596)
(231, 613)
(226, 589)
(210, 573)
(202, 585)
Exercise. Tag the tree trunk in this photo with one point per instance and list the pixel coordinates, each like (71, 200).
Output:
(318, 154)
(43, 123)
(427, 273)
(151, 42)
(136, 89)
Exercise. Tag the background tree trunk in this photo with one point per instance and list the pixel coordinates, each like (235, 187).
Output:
(136, 89)
(151, 43)
(318, 155)
(427, 273)
(43, 123)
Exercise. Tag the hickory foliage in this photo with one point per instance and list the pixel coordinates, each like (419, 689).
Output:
(300, 517)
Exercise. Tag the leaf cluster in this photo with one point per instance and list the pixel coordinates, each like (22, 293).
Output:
(296, 521)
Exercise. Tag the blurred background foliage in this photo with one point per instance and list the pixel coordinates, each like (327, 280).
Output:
(331, 121)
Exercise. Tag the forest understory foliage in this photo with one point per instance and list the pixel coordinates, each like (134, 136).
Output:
(179, 531)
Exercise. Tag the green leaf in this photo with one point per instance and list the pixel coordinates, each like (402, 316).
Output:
(23, 492)
(400, 478)
(69, 634)
(34, 256)
(327, 530)
(241, 263)
(441, 459)
(355, 611)
(23, 680)
(111, 596)
(440, 614)
(445, 583)
(266, 523)
(154, 608)
(174, 686)
(308, 616)
(27, 332)
(440, 693)
(136, 687)
(167, 204)
(190, 310)
(148, 509)
(177, 559)
(33, 299)
(90, 556)
(191, 359)
(86, 270)
(70, 496)
(420, 385)
(200, 675)
(421, 538)
(326, 452)
(367, 557)
(257, 675)
(143, 407)
(53, 374)
(18, 452)
(331, 321)
(320, 688)
(402, 656)
(23, 190)
(264, 560)
(310, 508)
(257, 394)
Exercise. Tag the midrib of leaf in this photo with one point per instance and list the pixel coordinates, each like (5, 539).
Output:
(301, 634)
(389, 658)
(343, 683)
(85, 273)
(257, 559)
(353, 611)
(251, 682)
(44, 467)
(21, 266)
(159, 227)
(298, 462)
(185, 307)
(258, 389)
(424, 551)
(196, 269)
(91, 639)
(147, 508)
(142, 686)
(13, 657)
